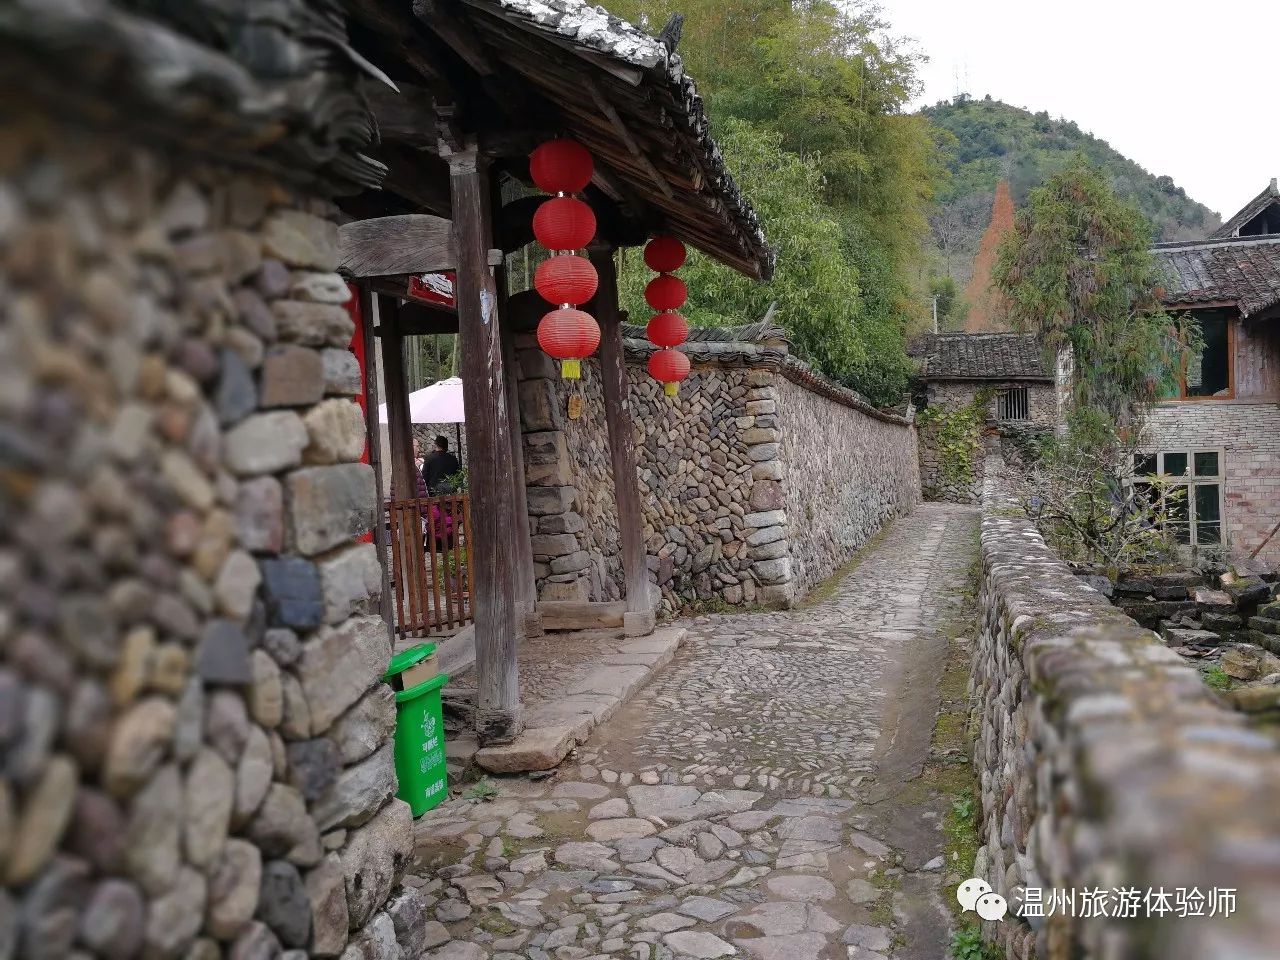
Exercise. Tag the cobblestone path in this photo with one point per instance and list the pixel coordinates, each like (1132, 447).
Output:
(753, 801)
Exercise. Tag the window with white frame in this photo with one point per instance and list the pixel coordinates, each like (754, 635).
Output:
(1013, 404)
(1196, 516)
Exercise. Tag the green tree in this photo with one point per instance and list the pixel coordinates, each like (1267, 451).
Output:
(815, 292)
(1076, 269)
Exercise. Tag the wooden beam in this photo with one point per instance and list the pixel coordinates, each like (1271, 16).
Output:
(484, 391)
(622, 451)
(625, 134)
(403, 116)
(386, 246)
(417, 176)
(456, 33)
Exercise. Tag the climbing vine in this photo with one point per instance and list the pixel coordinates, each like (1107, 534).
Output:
(957, 436)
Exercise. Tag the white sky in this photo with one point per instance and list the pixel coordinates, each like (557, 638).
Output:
(1188, 89)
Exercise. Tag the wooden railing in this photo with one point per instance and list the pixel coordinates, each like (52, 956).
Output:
(431, 563)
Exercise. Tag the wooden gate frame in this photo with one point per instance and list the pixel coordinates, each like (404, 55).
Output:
(428, 598)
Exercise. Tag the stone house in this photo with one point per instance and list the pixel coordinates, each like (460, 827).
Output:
(1219, 430)
(999, 384)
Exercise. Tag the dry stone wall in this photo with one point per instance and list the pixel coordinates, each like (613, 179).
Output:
(194, 738)
(1106, 764)
(729, 473)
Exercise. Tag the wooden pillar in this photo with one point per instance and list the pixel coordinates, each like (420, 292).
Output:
(399, 424)
(522, 567)
(484, 391)
(622, 452)
(373, 437)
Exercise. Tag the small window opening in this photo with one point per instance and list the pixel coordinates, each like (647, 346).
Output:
(1013, 404)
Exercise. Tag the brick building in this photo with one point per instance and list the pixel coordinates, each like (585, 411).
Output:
(1221, 431)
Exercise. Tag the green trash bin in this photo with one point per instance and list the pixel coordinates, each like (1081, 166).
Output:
(419, 750)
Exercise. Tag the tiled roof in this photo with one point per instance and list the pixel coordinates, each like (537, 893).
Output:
(980, 356)
(1240, 270)
(1248, 212)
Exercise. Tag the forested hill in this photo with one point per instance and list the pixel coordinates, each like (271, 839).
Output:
(991, 140)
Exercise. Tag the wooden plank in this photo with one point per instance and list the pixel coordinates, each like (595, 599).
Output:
(608, 110)
(622, 452)
(374, 440)
(484, 385)
(404, 116)
(387, 246)
(580, 615)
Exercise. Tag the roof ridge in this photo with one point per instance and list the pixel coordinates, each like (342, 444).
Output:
(1217, 242)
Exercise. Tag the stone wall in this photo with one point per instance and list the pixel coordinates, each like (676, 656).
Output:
(1248, 434)
(847, 473)
(1045, 406)
(731, 474)
(1104, 763)
(193, 731)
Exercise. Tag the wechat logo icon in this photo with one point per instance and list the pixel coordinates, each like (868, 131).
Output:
(975, 894)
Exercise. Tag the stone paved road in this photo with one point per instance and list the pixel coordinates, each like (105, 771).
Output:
(750, 802)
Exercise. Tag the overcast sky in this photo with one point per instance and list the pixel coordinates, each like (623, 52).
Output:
(1187, 89)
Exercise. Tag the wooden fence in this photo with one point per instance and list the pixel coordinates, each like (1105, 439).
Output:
(431, 564)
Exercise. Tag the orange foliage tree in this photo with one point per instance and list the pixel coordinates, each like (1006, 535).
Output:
(987, 309)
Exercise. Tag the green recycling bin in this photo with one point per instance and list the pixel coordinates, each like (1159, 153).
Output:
(419, 751)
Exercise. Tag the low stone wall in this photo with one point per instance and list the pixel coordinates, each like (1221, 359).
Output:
(757, 480)
(1106, 764)
(194, 735)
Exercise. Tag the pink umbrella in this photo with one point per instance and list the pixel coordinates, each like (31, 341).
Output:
(441, 402)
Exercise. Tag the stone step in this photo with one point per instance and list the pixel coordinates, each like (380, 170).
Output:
(578, 615)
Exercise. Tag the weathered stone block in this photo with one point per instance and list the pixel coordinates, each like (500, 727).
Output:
(223, 654)
(113, 920)
(546, 459)
(175, 917)
(538, 409)
(152, 850)
(341, 372)
(138, 743)
(769, 551)
(374, 860)
(336, 429)
(301, 240)
(761, 452)
(312, 324)
(351, 576)
(319, 287)
(265, 443)
(293, 591)
(313, 766)
(283, 828)
(42, 822)
(329, 505)
(294, 376)
(360, 791)
(767, 495)
(234, 885)
(259, 515)
(283, 904)
(773, 571)
(756, 407)
(338, 666)
(237, 394)
(572, 563)
(367, 725)
(544, 501)
(768, 470)
(766, 535)
(554, 545)
(768, 518)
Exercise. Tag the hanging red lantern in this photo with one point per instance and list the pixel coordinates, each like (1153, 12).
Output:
(664, 254)
(566, 279)
(667, 329)
(561, 166)
(564, 223)
(670, 367)
(569, 335)
(666, 292)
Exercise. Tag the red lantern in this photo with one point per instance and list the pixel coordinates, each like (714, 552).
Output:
(664, 254)
(666, 292)
(561, 166)
(566, 279)
(569, 335)
(670, 367)
(564, 223)
(667, 330)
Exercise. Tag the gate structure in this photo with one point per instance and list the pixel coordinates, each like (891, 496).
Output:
(431, 564)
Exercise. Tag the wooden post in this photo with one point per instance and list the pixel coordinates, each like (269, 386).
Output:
(374, 440)
(399, 425)
(484, 391)
(522, 566)
(622, 452)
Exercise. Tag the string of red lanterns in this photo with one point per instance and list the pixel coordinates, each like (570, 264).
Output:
(564, 224)
(667, 329)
